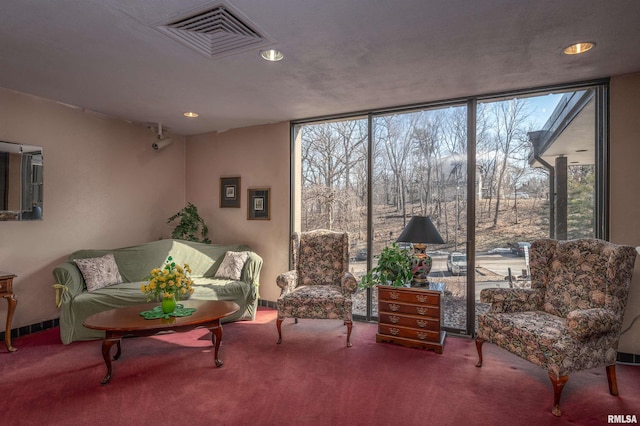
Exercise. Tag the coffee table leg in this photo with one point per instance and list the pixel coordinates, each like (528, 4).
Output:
(216, 338)
(106, 354)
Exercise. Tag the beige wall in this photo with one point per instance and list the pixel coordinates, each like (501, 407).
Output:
(624, 182)
(260, 156)
(103, 187)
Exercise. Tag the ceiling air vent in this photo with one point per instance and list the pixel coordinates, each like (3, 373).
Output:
(215, 32)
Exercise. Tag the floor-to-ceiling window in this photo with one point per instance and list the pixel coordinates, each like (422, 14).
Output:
(535, 172)
(332, 175)
(492, 173)
(419, 169)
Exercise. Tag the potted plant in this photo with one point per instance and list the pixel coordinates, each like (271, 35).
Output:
(169, 283)
(393, 268)
(190, 225)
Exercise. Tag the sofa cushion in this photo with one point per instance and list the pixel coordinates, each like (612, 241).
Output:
(315, 301)
(219, 289)
(99, 272)
(232, 264)
(136, 262)
(531, 335)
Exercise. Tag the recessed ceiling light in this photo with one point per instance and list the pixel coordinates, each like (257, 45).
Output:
(190, 114)
(271, 55)
(578, 48)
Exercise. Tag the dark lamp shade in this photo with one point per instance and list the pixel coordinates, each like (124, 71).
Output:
(419, 230)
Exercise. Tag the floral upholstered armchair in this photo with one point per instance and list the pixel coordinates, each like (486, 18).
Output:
(570, 318)
(320, 284)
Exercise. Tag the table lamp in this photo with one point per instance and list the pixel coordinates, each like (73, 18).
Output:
(420, 231)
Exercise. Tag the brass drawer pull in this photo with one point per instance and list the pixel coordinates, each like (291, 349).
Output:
(422, 311)
(421, 323)
(394, 307)
(394, 295)
(422, 336)
(394, 319)
(422, 298)
(394, 331)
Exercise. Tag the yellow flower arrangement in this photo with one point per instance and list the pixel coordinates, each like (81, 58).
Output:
(171, 279)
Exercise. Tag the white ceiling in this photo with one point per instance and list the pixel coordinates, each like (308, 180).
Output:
(340, 55)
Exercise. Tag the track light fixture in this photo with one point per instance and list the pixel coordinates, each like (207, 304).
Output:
(161, 140)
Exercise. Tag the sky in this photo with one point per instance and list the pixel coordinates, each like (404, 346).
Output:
(542, 107)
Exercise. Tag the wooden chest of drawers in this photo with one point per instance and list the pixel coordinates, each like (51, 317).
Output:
(410, 317)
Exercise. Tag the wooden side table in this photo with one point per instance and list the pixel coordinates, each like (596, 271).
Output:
(6, 291)
(411, 317)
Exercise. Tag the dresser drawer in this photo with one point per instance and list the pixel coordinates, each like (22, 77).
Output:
(408, 308)
(411, 296)
(413, 321)
(411, 333)
(4, 286)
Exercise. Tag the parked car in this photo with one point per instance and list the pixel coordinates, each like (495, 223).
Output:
(457, 263)
(361, 255)
(405, 246)
(519, 248)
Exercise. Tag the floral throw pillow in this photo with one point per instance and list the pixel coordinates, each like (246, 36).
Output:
(232, 264)
(99, 272)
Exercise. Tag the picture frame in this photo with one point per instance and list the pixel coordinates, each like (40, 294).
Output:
(259, 204)
(230, 192)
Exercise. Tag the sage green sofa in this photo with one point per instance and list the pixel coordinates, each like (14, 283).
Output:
(134, 265)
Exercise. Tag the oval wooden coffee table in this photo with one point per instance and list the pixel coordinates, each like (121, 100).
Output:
(127, 321)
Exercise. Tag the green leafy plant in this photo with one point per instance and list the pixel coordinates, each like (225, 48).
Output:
(393, 268)
(190, 225)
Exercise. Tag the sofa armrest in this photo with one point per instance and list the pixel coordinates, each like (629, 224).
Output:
(510, 300)
(251, 274)
(251, 269)
(287, 281)
(68, 280)
(585, 323)
(348, 283)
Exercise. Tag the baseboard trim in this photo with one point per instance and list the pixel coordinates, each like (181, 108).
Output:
(33, 328)
(267, 304)
(625, 358)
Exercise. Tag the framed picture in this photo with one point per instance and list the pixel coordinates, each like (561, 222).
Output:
(258, 204)
(230, 192)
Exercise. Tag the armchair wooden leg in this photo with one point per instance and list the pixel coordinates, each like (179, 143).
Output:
(279, 325)
(479, 342)
(611, 378)
(558, 384)
(349, 325)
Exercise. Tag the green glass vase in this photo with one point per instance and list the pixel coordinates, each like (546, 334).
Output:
(168, 304)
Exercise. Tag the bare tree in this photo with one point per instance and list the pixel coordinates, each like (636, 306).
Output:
(393, 133)
(427, 137)
(486, 162)
(333, 156)
(509, 133)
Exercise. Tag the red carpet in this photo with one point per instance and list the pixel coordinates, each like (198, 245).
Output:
(310, 379)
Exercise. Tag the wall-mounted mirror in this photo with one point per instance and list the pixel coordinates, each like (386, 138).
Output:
(20, 181)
